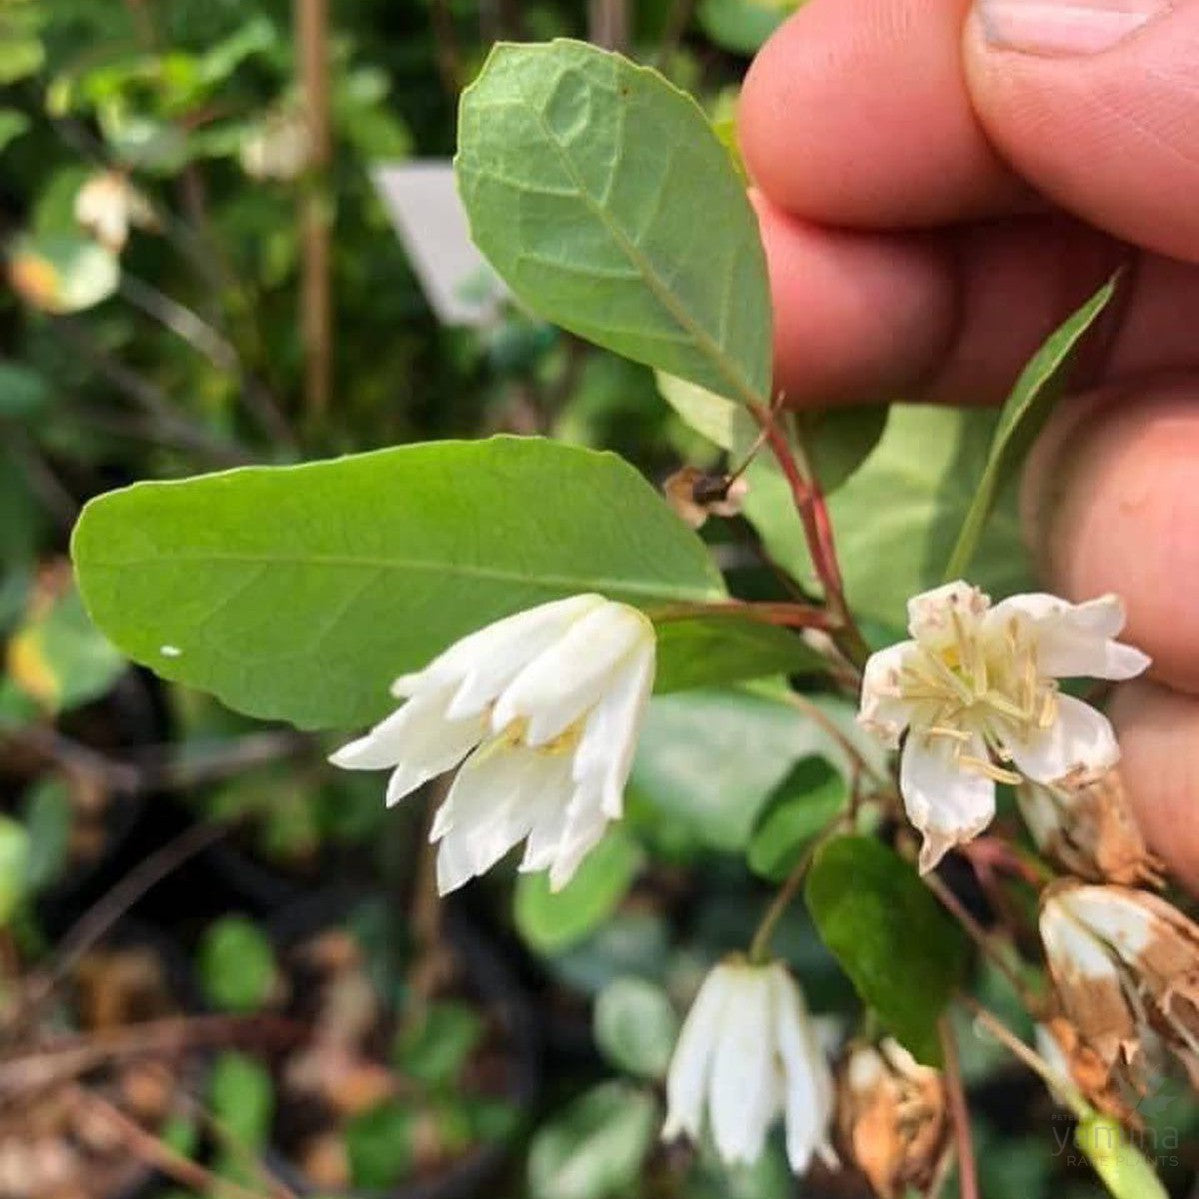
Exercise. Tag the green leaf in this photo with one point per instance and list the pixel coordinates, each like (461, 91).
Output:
(60, 659)
(742, 25)
(62, 273)
(21, 54)
(551, 922)
(1022, 417)
(48, 816)
(380, 1146)
(13, 123)
(897, 517)
(636, 1026)
(242, 1098)
(601, 195)
(301, 592)
(1125, 1172)
(435, 1046)
(596, 1146)
(709, 760)
(237, 965)
(902, 951)
(806, 802)
(23, 392)
(14, 866)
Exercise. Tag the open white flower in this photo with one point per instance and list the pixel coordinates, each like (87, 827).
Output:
(550, 701)
(748, 1051)
(976, 689)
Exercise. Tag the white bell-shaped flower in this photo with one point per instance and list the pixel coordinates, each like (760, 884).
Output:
(977, 691)
(550, 701)
(749, 1051)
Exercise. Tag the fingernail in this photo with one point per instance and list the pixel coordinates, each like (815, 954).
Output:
(1064, 27)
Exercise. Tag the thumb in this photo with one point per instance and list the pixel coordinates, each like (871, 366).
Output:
(1094, 101)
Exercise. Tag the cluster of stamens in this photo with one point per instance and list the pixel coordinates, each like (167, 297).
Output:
(979, 684)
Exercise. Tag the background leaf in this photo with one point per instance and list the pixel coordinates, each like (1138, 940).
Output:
(353, 571)
(596, 1146)
(603, 198)
(803, 805)
(903, 952)
(237, 965)
(551, 922)
(709, 760)
(636, 1026)
(1022, 417)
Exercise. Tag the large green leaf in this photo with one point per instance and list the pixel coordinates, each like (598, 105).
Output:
(301, 592)
(601, 195)
(902, 951)
(1022, 417)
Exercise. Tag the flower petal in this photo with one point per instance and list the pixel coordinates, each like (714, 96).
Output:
(582, 830)
(883, 711)
(1079, 737)
(560, 685)
(934, 616)
(491, 807)
(807, 1081)
(744, 1089)
(417, 740)
(604, 756)
(499, 650)
(691, 1063)
(948, 803)
(1075, 640)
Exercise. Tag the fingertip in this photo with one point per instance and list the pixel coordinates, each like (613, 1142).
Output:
(1110, 504)
(1159, 737)
(857, 114)
(858, 316)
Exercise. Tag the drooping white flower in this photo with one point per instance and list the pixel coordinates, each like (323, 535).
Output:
(977, 691)
(108, 204)
(548, 704)
(749, 1051)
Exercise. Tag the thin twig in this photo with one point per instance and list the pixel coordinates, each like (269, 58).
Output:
(157, 1153)
(813, 711)
(676, 25)
(1056, 1082)
(959, 1113)
(449, 56)
(102, 915)
(181, 321)
(990, 945)
(43, 482)
(759, 947)
(316, 299)
(784, 615)
(68, 1057)
(813, 514)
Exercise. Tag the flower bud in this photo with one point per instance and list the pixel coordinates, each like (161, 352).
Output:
(1084, 824)
(891, 1117)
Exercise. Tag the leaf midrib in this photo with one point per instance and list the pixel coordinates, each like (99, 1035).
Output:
(725, 367)
(493, 574)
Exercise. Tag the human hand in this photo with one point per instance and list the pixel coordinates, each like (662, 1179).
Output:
(939, 186)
